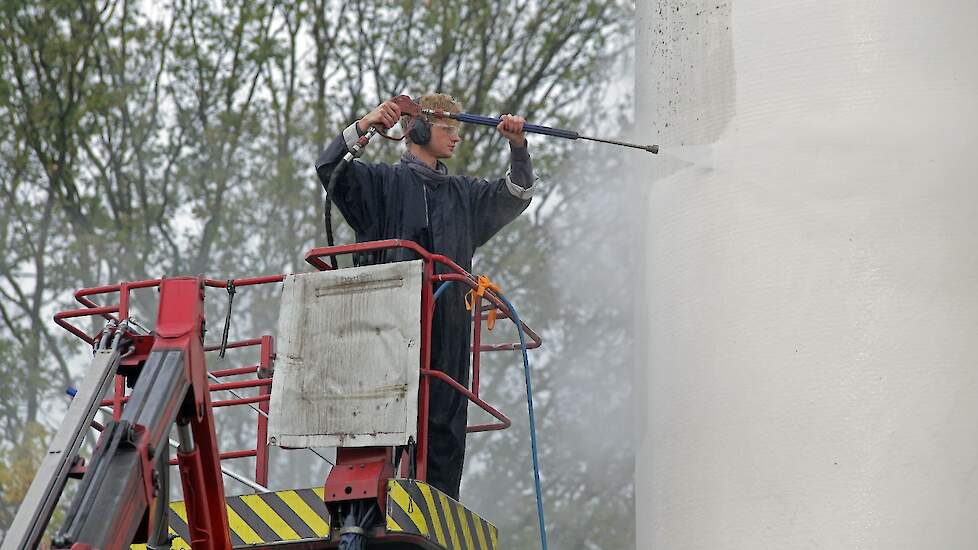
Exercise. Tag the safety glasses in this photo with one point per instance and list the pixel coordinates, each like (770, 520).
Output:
(448, 129)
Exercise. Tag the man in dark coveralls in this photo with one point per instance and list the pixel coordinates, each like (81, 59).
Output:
(417, 200)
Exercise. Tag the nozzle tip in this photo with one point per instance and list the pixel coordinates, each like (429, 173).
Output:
(654, 149)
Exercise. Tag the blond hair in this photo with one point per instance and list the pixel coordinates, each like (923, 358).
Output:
(444, 102)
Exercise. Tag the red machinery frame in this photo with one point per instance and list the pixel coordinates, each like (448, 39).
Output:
(373, 484)
(143, 344)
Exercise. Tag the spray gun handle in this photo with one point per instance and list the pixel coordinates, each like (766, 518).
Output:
(359, 146)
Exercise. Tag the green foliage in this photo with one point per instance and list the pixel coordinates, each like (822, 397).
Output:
(17, 467)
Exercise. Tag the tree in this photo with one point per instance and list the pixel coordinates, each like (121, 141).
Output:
(45, 61)
(17, 467)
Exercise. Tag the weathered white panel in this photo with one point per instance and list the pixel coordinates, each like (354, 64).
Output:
(348, 361)
(811, 274)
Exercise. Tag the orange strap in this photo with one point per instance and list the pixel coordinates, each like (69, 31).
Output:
(484, 284)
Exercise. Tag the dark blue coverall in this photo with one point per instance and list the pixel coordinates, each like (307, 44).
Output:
(449, 215)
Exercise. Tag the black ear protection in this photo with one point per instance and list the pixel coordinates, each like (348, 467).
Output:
(420, 130)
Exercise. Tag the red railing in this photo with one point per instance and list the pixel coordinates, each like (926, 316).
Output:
(458, 275)
(484, 303)
(122, 308)
(263, 380)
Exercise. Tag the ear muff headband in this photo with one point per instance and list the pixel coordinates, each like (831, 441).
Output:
(420, 131)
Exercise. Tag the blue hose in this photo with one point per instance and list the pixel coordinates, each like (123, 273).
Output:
(441, 290)
(533, 425)
(529, 406)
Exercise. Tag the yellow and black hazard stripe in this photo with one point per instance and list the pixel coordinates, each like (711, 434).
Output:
(416, 508)
(263, 518)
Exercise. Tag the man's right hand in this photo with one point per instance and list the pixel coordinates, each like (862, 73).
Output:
(383, 117)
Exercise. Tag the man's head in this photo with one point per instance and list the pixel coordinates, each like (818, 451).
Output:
(443, 131)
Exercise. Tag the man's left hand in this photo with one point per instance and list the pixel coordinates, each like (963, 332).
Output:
(511, 128)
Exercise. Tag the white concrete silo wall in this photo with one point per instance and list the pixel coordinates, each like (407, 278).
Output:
(811, 371)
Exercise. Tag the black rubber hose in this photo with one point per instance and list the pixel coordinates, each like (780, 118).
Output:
(328, 206)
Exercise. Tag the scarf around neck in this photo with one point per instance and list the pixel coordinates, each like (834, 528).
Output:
(424, 172)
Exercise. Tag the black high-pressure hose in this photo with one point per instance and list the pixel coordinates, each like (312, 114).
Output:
(328, 205)
(331, 185)
(360, 517)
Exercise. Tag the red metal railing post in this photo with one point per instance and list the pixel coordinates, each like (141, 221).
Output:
(261, 443)
(427, 313)
(123, 301)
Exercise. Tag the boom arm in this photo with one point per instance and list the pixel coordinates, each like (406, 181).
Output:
(124, 481)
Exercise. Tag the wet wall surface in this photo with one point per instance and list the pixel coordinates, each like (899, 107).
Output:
(811, 366)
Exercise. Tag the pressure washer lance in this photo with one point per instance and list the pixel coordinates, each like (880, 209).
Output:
(409, 107)
(346, 160)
